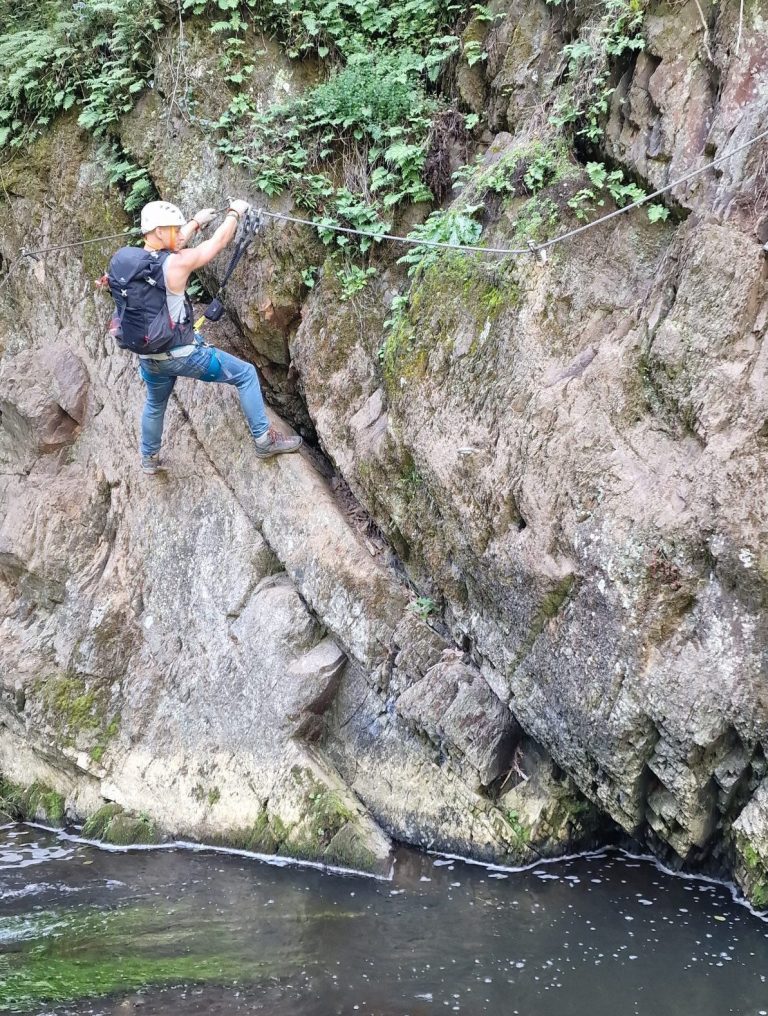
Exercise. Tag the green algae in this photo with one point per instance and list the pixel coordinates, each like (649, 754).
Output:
(60, 956)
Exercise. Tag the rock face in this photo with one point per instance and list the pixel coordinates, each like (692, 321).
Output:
(567, 459)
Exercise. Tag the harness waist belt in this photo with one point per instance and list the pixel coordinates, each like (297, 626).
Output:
(172, 354)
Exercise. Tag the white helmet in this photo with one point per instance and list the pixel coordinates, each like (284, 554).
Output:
(160, 213)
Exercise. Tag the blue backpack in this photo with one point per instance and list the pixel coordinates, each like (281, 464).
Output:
(141, 321)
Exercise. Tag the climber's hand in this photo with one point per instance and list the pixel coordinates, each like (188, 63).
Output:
(205, 217)
(241, 207)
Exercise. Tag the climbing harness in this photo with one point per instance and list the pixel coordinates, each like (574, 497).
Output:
(249, 227)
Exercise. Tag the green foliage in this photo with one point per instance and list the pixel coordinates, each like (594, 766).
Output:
(114, 825)
(353, 278)
(611, 182)
(657, 213)
(449, 226)
(37, 801)
(537, 221)
(519, 831)
(373, 115)
(309, 276)
(525, 170)
(96, 54)
(341, 29)
(424, 607)
(474, 52)
(134, 181)
(584, 99)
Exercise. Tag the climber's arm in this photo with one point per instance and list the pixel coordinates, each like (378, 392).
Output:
(184, 262)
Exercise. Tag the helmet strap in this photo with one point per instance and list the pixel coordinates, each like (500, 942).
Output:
(158, 244)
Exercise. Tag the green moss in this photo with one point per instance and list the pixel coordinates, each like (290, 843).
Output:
(536, 220)
(265, 836)
(124, 830)
(112, 824)
(758, 894)
(411, 481)
(554, 600)
(756, 869)
(74, 705)
(324, 812)
(200, 794)
(549, 607)
(97, 824)
(751, 858)
(328, 813)
(456, 292)
(37, 801)
(78, 712)
(46, 804)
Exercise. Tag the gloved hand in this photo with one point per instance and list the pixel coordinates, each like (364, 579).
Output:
(241, 207)
(205, 216)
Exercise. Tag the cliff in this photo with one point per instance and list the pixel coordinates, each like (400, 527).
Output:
(512, 598)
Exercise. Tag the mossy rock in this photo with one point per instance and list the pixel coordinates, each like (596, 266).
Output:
(96, 825)
(755, 874)
(455, 293)
(79, 711)
(37, 802)
(263, 837)
(114, 825)
(125, 830)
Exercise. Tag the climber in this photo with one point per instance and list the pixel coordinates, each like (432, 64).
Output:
(154, 319)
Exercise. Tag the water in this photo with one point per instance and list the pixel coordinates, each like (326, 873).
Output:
(86, 931)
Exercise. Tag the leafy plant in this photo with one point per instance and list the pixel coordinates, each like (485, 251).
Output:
(353, 278)
(121, 171)
(519, 831)
(96, 54)
(372, 113)
(424, 607)
(474, 52)
(613, 183)
(584, 101)
(450, 226)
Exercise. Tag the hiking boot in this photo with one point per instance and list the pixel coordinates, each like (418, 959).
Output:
(150, 464)
(274, 443)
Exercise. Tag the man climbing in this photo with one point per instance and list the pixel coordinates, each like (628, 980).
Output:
(154, 319)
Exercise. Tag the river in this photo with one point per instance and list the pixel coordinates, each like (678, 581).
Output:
(85, 930)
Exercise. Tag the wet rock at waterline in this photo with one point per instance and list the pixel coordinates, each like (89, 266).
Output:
(567, 459)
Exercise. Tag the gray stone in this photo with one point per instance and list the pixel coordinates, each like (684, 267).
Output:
(454, 706)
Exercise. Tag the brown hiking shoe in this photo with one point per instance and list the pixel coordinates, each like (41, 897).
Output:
(276, 444)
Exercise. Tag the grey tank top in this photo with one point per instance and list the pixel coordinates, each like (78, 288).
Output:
(175, 301)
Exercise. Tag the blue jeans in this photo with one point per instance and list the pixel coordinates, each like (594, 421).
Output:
(205, 364)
